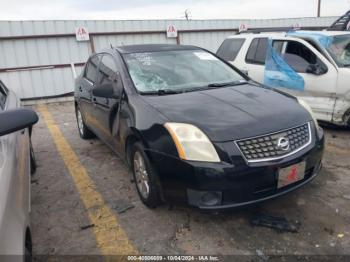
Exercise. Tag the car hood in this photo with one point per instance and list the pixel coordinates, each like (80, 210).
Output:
(232, 113)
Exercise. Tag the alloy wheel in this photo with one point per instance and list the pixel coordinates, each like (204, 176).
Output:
(80, 122)
(141, 175)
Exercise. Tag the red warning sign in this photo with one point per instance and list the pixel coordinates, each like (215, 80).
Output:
(171, 31)
(242, 28)
(82, 34)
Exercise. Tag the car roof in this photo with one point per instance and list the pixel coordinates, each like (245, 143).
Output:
(126, 49)
(272, 34)
(333, 33)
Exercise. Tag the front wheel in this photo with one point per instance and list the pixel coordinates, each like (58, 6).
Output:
(146, 179)
(84, 131)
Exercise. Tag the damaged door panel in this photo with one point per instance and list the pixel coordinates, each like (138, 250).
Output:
(320, 76)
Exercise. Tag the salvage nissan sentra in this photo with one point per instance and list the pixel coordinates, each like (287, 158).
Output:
(193, 128)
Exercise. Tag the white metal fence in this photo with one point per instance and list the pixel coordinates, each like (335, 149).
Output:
(36, 55)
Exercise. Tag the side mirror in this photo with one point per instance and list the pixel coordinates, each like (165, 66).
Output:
(316, 69)
(106, 91)
(15, 120)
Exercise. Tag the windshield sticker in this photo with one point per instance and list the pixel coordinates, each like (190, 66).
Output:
(205, 56)
(144, 58)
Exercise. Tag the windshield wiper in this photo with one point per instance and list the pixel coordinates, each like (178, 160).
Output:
(234, 83)
(162, 92)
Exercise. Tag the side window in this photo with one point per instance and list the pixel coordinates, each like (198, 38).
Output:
(91, 69)
(278, 45)
(230, 49)
(257, 51)
(3, 96)
(300, 57)
(107, 70)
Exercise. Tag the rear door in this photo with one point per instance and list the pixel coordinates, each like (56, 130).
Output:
(254, 64)
(87, 83)
(230, 48)
(320, 75)
(106, 109)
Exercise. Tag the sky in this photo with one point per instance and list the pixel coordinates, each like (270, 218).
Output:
(165, 9)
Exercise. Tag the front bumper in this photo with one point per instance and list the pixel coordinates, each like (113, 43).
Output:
(233, 182)
(195, 197)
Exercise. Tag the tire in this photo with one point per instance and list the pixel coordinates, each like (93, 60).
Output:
(28, 257)
(151, 197)
(347, 118)
(33, 164)
(84, 131)
(28, 252)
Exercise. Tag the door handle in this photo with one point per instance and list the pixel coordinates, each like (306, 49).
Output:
(94, 99)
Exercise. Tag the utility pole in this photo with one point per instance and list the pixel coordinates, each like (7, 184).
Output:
(319, 8)
(187, 14)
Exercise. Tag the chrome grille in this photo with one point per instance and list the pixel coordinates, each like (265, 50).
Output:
(274, 146)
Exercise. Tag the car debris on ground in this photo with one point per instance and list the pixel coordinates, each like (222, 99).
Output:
(122, 206)
(280, 224)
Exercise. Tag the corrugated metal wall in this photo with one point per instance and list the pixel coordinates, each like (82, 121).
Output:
(50, 46)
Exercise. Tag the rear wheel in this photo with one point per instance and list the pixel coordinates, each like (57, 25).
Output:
(145, 177)
(84, 131)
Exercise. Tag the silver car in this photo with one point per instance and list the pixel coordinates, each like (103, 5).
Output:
(16, 165)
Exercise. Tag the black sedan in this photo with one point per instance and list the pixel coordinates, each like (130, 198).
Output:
(193, 128)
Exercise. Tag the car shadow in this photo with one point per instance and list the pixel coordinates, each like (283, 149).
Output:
(333, 127)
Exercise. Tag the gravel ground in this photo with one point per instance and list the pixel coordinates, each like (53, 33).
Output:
(320, 209)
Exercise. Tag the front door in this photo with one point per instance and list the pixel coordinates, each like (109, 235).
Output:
(85, 87)
(319, 75)
(106, 109)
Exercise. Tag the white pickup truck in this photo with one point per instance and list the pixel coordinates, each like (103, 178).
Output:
(321, 59)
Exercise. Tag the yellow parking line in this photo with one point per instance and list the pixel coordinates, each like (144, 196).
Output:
(110, 237)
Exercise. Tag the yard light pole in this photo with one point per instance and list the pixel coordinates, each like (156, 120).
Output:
(319, 8)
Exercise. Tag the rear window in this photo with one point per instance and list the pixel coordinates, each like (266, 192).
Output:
(230, 49)
(257, 51)
(91, 69)
(2, 96)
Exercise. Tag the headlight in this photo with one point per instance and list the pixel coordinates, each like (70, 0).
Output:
(191, 143)
(308, 108)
